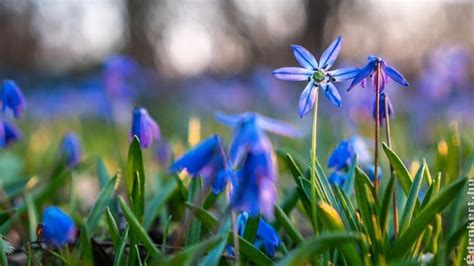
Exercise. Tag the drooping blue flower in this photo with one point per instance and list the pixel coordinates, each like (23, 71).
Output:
(57, 228)
(337, 178)
(382, 116)
(144, 127)
(71, 151)
(12, 98)
(266, 237)
(9, 134)
(206, 159)
(249, 133)
(387, 72)
(370, 171)
(342, 156)
(256, 191)
(317, 74)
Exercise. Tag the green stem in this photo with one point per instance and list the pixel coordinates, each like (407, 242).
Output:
(392, 175)
(377, 128)
(313, 163)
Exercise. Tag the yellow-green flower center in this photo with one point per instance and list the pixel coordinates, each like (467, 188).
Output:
(318, 76)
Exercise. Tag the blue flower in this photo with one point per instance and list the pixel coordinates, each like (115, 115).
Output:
(206, 159)
(144, 127)
(57, 228)
(71, 151)
(370, 171)
(360, 148)
(382, 116)
(317, 75)
(249, 133)
(337, 178)
(342, 156)
(12, 98)
(266, 237)
(9, 134)
(386, 73)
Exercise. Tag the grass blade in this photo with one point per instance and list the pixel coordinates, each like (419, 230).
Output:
(412, 199)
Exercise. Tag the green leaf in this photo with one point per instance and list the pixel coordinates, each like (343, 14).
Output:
(412, 199)
(112, 227)
(191, 254)
(100, 205)
(195, 191)
(157, 203)
(138, 230)
(120, 252)
(349, 183)
(246, 248)
(85, 248)
(407, 239)
(290, 229)
(102, 173)
(317, 245)
(215, 255)
(333, 222)
(386, 202)
(400, 169)
(298, 176)
(347, 208)
(135, 178)
(251, 228)
(368, 206)
(3, 251)
(165, 234)
(32, 215)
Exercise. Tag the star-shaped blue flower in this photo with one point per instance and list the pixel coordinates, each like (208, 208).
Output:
(387, 72)
(317, 74)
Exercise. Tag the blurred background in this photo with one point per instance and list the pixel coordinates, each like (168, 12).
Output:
(84, 65)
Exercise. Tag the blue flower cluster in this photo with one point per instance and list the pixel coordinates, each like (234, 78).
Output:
(13, 100)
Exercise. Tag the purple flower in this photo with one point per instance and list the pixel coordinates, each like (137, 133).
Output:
(9, 134)
(317, 75)
(382, 116)
(71, 151)
(266, 237)
(337, 178)
(206, 159)
(57, 228)
(342, 156)
(386, 73)
(144, 127)
(12, 98)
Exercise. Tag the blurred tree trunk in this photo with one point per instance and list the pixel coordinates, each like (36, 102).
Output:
(318, 13)
(139, 46)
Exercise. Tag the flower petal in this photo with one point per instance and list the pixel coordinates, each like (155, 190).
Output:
(329, 55)
(304, 57)
(227, 119)
(344, 73)
(307, 98)
(395, 75)
(363, 73)
(278, 127)
(331, 93)
(292, 73)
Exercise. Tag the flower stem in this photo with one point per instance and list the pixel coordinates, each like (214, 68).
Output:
(389, 143)
(233, 224)
(313, 163)
(377, 128)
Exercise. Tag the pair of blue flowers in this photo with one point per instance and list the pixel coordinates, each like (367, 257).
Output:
(319, 75)
(12, 99)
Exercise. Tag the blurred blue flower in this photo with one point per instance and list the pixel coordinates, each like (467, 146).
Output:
(144, 127)
(163, 152)
(9, 134)
(317, 75)
(370, 171)
(249, 134)
(71, 151)
(382, 116)
(118, 74)
(369, 71)
(57, 228)
(337, 178)
(12, 98)
(206, 159)
(342, 156)
(360, 148)
(266, 237)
